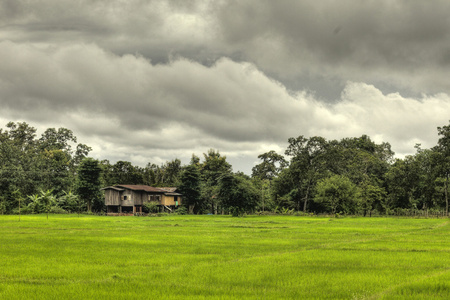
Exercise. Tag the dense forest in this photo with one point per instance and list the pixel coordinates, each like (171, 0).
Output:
(52, 173)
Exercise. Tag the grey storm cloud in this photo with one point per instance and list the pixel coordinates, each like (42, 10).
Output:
(327, 40)
(155, 80)
(300, 42)
(379, 41)
(233, 101)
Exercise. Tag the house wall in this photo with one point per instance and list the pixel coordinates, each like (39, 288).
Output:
(129, 198)
(112, 197)
(170, 200)
(152, 197)
(138, 197)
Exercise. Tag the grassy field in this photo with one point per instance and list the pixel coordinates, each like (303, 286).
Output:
(220, 257)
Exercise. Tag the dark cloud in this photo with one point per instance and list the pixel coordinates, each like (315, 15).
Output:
(164, 79)
(375, 39)
(327, 41)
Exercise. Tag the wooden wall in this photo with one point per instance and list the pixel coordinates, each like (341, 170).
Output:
(170, 200)
(112, 197)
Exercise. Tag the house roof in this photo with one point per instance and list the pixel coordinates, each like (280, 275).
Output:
(172, 194)
(170, 191)
(112, 188)
(145, 188)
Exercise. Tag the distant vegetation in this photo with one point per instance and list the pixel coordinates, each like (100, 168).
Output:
(220, 257)
(354, 176)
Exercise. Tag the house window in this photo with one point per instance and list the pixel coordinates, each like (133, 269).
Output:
(124, 197)
(158, 198)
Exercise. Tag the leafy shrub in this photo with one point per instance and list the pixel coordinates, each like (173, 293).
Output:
(265, 213)
(57, 210)
(24, 210)
(2, 206)
(182, 210)
(69, 202)
(287, 211)
(151, 207)
(303, 214)
(236, 211)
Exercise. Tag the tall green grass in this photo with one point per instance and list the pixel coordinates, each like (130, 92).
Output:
(220, 257)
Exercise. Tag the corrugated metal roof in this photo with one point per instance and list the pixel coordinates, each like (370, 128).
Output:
(112, 188)
(172, 194)
(141, 188)
(169, 189)
(146, 188)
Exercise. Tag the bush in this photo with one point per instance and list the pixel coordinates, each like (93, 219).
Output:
(265, 213)
(151, 207)
(181, 210)
(57, 210)
(303, 214)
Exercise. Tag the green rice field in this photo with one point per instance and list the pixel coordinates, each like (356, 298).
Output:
(221, 257)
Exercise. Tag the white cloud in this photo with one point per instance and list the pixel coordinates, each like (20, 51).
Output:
(400, 120)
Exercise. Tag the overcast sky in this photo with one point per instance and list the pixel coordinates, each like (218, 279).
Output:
(150, 81)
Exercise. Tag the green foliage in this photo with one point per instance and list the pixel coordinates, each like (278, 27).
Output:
(29, 164)
(69, 202)
(370, 197)
(213, 167)
(89, 184)
(181, 210)
(307, 166)
(271, 165)
(338, 194)
(237, 193)
(151, 207)
(2, 205)
(265, 197)
(53, 161)
(47, 200)
(126, 173)
(57, 210)
(43, 202)
(443, 158)
(314, 159)
(190, 188)
(35, 205)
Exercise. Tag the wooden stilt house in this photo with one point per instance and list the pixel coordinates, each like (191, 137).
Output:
(130, 199)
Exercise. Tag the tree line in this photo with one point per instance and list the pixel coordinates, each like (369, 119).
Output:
(53, 173)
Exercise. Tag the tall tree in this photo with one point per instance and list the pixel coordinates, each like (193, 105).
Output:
(271, 165)
(443, 148)
(308, 157)
(18, 157)
(428, 172)
(58, 162)
(237, 193)
(211, 169)
(89, 183)
(190, 188)
(125, 173)
(263, 174)
(172, 171)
